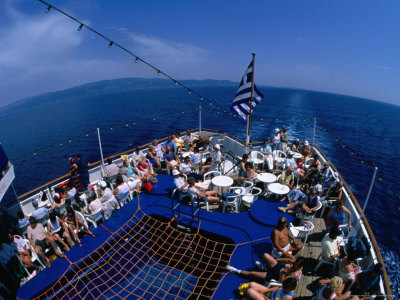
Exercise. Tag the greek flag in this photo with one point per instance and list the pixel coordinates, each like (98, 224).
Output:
(241, 103)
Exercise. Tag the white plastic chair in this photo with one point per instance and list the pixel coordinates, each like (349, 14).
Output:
(312, 215)
(123, 198)
(257, 158)
(251, 197)
(301, 231)
(233, 198)
(35, 256)
(279, 157)
(198, 201)
(331, 262)
(94, 218)
(208, 177)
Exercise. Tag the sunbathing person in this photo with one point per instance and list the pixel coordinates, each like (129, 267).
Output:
(306, 152)
(242, 168)
(333, 194)
(153, 158)
(287, 178)
(309, 203)
(74, 223)
(277, 269)
(286, 292)
(178, 142)
(188, 168)
(58, 230)
(196, 190)
(171, 158)
(348, 270)
(283, 240)
(22, 248)
(145, 167)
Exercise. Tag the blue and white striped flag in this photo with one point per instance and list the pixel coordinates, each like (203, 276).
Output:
(241, 103)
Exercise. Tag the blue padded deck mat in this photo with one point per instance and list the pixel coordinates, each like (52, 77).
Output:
(241, 228)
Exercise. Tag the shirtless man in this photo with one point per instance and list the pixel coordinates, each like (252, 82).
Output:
(283, 240)
(276, 269)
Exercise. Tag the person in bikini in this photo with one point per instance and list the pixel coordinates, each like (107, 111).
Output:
(283, 240)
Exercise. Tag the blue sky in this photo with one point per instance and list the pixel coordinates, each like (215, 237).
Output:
(345, 47)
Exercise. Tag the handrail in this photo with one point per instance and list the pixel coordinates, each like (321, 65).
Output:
(116, 155)
(367, 226)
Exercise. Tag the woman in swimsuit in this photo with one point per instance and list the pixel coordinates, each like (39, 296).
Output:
(258, 291)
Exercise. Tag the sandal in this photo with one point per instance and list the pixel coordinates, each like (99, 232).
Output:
(282, 209)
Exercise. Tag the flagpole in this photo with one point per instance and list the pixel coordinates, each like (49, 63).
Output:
(251, 102)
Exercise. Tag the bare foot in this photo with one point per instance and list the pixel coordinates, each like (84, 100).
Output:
(91, 234)
(60, 254)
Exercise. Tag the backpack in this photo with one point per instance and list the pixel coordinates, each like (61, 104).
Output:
(358, 248)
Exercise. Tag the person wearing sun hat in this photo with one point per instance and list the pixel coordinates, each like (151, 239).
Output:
(276, 140)
(332, 289)
(179, 181)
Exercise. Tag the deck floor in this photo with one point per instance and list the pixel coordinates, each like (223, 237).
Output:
(311, 251)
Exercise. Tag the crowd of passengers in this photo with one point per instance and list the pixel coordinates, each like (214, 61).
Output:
(55, 226)
(308, 180)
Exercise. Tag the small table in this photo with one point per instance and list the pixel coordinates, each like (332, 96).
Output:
(297, 155)
(278, 189)
(222, 182)
(186, 154)
(266, 177)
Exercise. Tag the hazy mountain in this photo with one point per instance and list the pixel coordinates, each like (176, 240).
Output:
(112, 86)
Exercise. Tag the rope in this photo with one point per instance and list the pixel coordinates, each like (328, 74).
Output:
(146, 258)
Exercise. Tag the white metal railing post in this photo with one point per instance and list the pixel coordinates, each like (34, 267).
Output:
(368, 195)
(313, 138)
(200, 119)
(101, 152)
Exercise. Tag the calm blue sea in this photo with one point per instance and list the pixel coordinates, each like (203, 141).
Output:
(371, 129)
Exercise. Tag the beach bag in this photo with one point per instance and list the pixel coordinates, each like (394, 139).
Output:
(152, 179)
(148, 186)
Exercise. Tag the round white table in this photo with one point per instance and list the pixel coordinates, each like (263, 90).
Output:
(278, 189)
(297, 155)
(266, 177)
(222, 182)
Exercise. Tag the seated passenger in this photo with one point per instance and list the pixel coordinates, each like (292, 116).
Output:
(58, 230)
(269, 160)
(145, 167)
(286, 292)
(22, 219)
(332, 289)
(315, 163)
(187, 168)
(136, 155)
(74, 223)
(170, 158)
(283, 240)
(333, 194)
(195, 158)
(292, 165)
(121, 187)
(287, 178)
(169, 142)
(306, 152)
(179, 181)
(276, 269)
(95, 205)
(39, 212)
(348, 270)
(368, 281)
(251, 172)
(215, 160)
(337, 215)
(40, 239)
(111, 169)
(330, 248)
(295, 145)
(205, 147)
(153, 158)
(159, 150)
(196, 190)
(178, 142)
(308, 205)
(58, 202)
(108, 202)
(323, 173)
(21, 248)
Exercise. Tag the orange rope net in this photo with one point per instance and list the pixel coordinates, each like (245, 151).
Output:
(146, 258)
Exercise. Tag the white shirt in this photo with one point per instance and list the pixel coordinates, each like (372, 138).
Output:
(185, 167)
(136, 157)
(159, 151)
(106, 195)
(19, 244)
(112, 170)
(179, 182)
(71, 193)
(196, 158)
(328, 247)
(95, 206)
